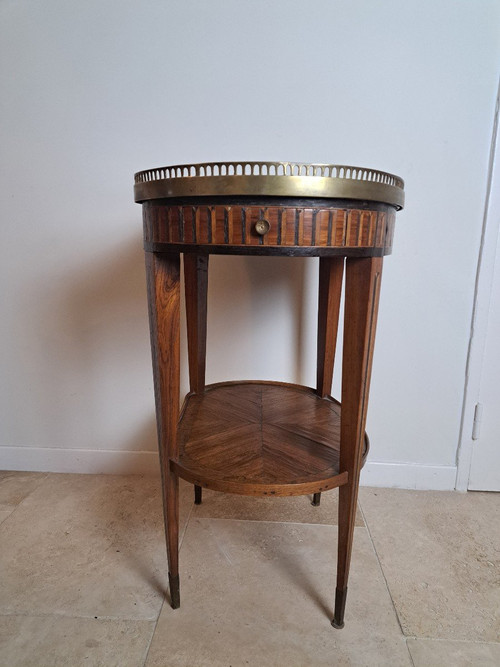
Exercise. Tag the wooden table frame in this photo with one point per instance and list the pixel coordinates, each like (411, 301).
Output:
(165, 240)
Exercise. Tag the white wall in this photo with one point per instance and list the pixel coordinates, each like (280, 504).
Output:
(94, 91)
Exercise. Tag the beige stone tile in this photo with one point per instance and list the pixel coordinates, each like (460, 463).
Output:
(440, 553)
(89, 545)
(443, 653)
(16, 486)
(261, 593)
(48, 641)
(296, 509)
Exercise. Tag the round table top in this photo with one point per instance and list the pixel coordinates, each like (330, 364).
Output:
(270, 179)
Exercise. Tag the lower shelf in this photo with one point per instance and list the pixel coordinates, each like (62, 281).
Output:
(260, 439)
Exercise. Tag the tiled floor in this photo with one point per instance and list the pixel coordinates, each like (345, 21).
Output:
(83, 576)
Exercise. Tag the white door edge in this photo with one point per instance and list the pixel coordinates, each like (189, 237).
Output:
(482, 297)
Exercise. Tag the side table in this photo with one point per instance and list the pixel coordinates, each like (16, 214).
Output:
(265, 438)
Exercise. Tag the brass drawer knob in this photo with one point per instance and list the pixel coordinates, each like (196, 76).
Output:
(262, 227)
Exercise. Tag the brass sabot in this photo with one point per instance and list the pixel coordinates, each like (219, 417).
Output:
(272, 179)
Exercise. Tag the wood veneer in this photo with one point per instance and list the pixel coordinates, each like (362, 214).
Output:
(228, 227)
(260, 439)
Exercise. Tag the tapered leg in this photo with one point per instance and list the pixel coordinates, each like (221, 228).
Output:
(163, 280)
(197, 494)
(316, 499)
(196, 283)
(362, 291)
(331, 271)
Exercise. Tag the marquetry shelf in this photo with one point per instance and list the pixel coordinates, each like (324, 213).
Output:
(260, 439)
(265, 438)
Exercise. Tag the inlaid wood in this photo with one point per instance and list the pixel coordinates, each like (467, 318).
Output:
(258, 438)
(224, 226)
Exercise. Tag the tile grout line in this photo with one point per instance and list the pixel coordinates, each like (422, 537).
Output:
(153, 634)
(409, 652)
(163, 601)
(382, 572)
(454, 640)
(290, 523)
(181, 540)
(8, 515)
(55, 614)
(16, 507)
(412, 662)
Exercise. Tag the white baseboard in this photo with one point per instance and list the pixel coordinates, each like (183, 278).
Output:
(89, 461)
(409, 476)
(115, 462)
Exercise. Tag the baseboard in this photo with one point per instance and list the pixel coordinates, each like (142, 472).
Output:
(115, 462)
(88, 461)
(409, 476)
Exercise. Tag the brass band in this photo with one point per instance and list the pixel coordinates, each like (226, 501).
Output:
(273, 179)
